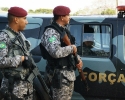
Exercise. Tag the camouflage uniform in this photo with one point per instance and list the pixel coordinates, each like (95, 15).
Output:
(21, 88)
(51, 41)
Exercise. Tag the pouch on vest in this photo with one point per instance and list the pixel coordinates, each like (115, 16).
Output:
(42, 48)
(57, 79)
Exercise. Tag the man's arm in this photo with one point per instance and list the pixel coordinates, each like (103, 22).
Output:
(4, 60)
(78, 61)
(51, 41)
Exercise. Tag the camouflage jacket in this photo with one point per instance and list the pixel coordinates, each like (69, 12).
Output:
(51, 41)
(6, 59)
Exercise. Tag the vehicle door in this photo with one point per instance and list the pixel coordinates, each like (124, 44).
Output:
(99, 66)
(121, 58)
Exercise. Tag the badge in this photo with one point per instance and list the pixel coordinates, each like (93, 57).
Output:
(2, 45)
(52, 39)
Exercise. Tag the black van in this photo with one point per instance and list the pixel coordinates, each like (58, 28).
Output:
(105, 70)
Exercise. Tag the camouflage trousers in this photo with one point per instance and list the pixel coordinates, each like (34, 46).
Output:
(65, 93)
(20, 89)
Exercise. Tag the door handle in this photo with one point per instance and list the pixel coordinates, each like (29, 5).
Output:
(122, 69)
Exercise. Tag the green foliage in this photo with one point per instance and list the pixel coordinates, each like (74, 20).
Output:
(31, 11)
(108, 12)
(4, 8)
(44, 11)
(81, 12)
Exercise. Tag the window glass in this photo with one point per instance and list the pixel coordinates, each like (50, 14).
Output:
(95, 41)
(76, 31)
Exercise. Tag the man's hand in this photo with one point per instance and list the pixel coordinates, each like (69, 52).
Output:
(74, 49)
(80, 64)
(23, 58)
(27, 63)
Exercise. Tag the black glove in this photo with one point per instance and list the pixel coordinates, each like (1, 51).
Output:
(27, 63)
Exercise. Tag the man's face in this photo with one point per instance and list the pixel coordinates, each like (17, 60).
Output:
(89, 43)
(22, 22)
(66, 19)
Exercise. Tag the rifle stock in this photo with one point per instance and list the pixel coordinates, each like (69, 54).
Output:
(80, 70)
(67, 42)
(45, 92)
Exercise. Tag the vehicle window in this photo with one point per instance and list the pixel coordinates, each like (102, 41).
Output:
(95, 41)
(76, 31)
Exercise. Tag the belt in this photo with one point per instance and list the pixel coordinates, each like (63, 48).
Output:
(15, 77)
(65, 68)
(12, 72)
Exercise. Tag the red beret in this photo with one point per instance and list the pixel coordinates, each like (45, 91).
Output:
(17, 11)
(61, 10)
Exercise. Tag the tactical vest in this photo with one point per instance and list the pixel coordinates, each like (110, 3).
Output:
(58, 62)
(14, 48)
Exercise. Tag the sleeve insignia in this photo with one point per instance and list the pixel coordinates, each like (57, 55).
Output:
(2, 45)
(52, 39)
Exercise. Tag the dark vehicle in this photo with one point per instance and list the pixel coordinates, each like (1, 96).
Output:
(105, 70)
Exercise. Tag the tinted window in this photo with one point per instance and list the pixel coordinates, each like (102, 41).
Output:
(92, 40)
(76, 31)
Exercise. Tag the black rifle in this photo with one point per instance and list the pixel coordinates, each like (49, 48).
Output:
(35, 76)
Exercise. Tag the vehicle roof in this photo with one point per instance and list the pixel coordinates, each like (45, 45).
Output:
(93, 18)
(3, 14)
(84, 18)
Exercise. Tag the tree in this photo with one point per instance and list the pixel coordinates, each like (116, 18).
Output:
(108, 12)
(4, 9)
(44, 11)
(84, 11)
(30, 11)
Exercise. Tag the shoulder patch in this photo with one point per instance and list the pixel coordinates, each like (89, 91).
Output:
(2, 45)
(52, 39)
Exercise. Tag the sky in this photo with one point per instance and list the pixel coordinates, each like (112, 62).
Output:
(74, 5)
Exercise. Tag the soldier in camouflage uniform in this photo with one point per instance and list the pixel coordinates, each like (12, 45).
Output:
(14, 85)
(57, 62)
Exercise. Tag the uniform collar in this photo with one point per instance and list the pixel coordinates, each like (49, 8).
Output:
(9, 28)
(60, 25)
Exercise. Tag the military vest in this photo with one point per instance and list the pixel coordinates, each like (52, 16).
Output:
(14, 48)
(15, 45)
(59, 62)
